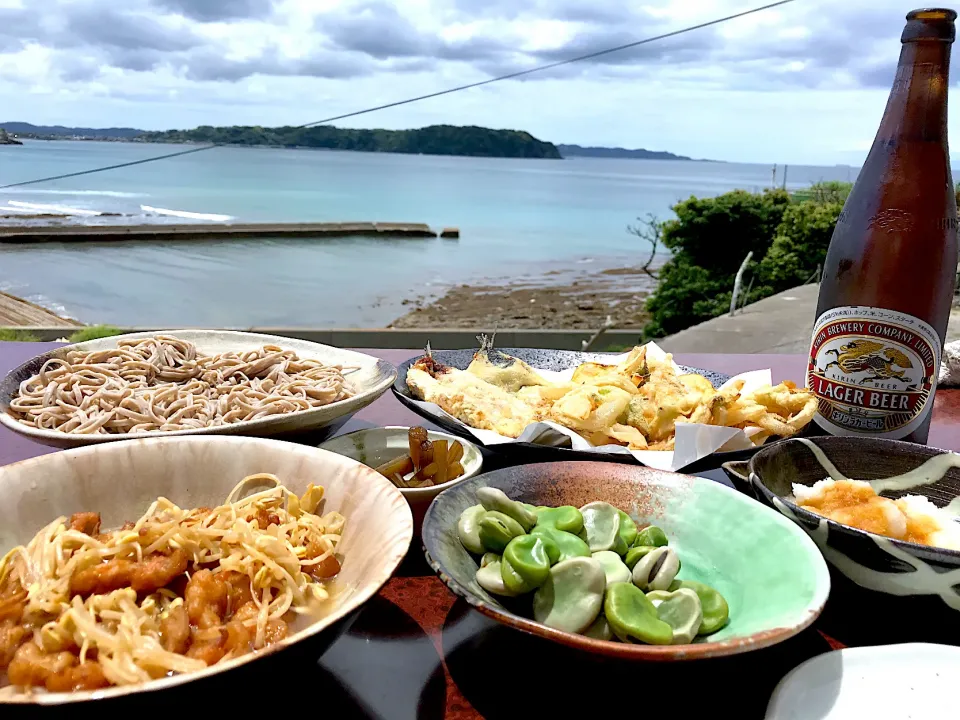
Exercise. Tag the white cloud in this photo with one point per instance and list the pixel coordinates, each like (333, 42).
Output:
(803, 83)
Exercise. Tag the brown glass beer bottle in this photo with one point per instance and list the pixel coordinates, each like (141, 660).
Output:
(889, 275)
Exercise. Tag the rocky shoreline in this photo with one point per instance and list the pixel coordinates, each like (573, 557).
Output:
(5, 139)
(549, 302)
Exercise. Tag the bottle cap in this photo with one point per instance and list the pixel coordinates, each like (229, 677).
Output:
(930, 24)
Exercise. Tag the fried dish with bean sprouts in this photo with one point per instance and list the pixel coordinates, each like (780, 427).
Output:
(174, 592)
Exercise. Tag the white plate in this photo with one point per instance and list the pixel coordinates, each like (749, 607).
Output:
(887, 682)
(369, 380)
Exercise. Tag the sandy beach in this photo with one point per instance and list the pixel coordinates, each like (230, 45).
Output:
(582, 299)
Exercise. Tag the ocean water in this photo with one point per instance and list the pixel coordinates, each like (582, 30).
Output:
(518, 219)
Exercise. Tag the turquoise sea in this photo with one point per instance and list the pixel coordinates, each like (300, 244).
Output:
(518, 218)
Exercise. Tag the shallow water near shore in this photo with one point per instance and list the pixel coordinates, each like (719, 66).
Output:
(542, 218)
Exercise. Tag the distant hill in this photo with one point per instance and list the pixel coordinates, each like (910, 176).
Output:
(433, 140)
(617, 152)
(22, 128)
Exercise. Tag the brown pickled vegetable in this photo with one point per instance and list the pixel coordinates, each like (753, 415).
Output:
(426, 473)
(440, 460)
(428, 463)
(416, 436)
(402, 465)
(426, 453)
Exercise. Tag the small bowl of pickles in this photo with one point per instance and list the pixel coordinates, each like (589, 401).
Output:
(421, 463)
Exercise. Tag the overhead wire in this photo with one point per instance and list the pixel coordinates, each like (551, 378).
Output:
(427, 96)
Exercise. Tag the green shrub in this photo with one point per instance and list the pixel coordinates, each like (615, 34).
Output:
(799, 246)
(829, 191)
(17, 335)
(718, 232)
(788, 234)
(94, 332)
(710, 238)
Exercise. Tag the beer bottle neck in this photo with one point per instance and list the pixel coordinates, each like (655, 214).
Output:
(917, 107)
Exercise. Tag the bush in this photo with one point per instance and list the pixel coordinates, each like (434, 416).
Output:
(710, 238)
(799, 246)
(718, 232)
(825, 192)
(94, 332)
(788, 234)
(17, 335)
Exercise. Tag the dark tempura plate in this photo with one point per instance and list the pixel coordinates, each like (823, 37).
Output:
(555, 360)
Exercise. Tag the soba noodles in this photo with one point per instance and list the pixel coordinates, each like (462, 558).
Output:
(174, 592)
(163, 384)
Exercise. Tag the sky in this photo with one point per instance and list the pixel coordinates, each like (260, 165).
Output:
(804, 83)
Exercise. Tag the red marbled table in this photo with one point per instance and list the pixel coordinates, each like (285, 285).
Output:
(416, 651)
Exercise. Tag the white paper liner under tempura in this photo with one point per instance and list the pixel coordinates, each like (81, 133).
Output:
(693, 440)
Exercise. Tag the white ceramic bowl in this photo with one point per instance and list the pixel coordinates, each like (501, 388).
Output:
(121, 479)
(375, 446)
(883, 681)
(369, 381)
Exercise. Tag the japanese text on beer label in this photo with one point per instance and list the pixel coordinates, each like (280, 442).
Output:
(874, 371)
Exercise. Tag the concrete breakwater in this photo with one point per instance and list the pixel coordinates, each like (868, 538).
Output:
(222, 231)
(15, 311)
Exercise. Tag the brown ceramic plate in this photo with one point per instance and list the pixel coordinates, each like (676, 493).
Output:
(771, 574)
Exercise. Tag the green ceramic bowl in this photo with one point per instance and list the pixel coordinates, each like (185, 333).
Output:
(771, 573)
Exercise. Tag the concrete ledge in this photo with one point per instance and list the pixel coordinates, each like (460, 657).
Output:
(15, 311)
(779, 324)
(440, 339)
(196, 231)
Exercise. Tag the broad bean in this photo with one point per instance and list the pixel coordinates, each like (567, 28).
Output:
(632, 616)
(468, 528)
(680, 610)
(496, 499)
(572, 596)
(590, 570)
(716, 612)
(496, 530)
(525, 564)
(652, 535)
(490, 576)
(567, 544)
(613, 566)
(566, 518)
(601, 525)
(627, 534)
(635, 553)
(656, 570)
(600, 629)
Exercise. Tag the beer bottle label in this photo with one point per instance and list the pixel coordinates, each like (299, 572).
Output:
(874, 371)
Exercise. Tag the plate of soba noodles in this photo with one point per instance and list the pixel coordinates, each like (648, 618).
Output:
(144, 564)
(185, 382)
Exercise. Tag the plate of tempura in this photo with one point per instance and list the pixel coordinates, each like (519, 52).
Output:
(633, 406)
